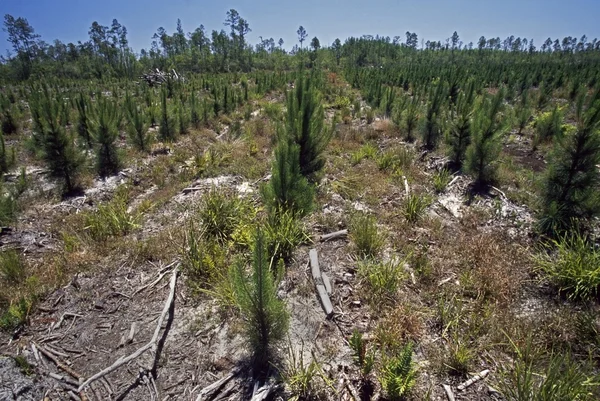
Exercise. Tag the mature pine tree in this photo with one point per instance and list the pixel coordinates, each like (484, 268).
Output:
(266, 318)
(459, 136)
(106, 131)
(483, 152)
(572, 178)
(305, 118)
(288, 189)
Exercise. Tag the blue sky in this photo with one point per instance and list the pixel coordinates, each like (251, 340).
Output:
(69, 20)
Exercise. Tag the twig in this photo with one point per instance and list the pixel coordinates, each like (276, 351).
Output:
(152, 345)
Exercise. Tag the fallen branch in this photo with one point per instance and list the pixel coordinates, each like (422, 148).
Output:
(453, 181)
(152, 345)
(500, 192)
(449, 392)
(263, 392)
(209, 393)
(191, 189)
(334, 235)
(58, 362)
(163, 273)
(473, 380)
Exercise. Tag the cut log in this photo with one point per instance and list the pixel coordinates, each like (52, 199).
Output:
(334, 235)
(321, 290)
(473, 380)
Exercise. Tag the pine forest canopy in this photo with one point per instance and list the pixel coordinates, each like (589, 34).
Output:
(107, 52)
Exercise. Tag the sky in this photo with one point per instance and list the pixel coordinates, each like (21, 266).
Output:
(69, 20)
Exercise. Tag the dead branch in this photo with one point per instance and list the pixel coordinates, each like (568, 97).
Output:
(334, 235)
(473, 380)
(406, 187)
(210, 392)
(58, 362)
(449, 392)
(152, 345)
(163, 273)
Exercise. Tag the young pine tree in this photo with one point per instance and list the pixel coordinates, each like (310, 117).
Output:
(59, 153)
(106, 131)
(459, 136)
(483, 152)
(137, 127)
(183, 122)
(167, 130)
(83, 121)
(195, 118)
(305, 118)
(288, 190)
(432, 129)
(411, 118)
(266, 318)
(523, 114)
(572, 178)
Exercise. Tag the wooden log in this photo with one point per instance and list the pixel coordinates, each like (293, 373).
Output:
(473, 380)
(321, 290)
(326, 283)
(334, 235)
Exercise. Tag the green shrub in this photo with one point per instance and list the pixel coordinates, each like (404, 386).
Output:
(111, 219)
(441, 179)
(367, 151)
(284, 233)
(365, 235)
(414, 207)
(220, 213)
(203, 260)
(16, 315)
(548, 126)
(574, 266)
(399, 374)
(12, 269)
(363, 358)
(383, 278)
(561, 379)
(370, 115)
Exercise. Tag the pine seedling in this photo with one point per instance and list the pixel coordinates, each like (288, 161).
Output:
(106, 131)
(484, 150)
(266, 319)
(288, 190)
(167, 129)
(570, 185)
